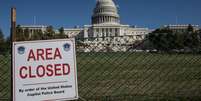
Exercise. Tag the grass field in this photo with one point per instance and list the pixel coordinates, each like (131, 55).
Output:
(4, 77)
(131, 77)
(139, 76)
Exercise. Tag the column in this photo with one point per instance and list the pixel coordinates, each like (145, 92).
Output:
(98, 19)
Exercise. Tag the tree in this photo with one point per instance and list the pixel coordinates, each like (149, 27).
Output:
(179, 41)
(8, 46)
(170, 39)
(190, 28)
(1, 41)
(1, 36)
(26, 34)
(192, 41)
(162, 39)
(4, 44)
(199, 31)
(19, 33)
(61, 33)
(37, 35)
(49, 33)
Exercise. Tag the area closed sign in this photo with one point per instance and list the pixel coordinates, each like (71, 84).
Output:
(44, 70)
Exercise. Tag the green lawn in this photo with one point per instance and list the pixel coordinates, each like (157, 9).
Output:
(141, 76)
(131, 77)
(5, 77)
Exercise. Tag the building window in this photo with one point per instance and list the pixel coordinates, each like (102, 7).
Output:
(103, 30)
(97, 30)
(110, 30)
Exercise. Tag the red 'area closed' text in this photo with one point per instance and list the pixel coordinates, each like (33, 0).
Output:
(48, 70)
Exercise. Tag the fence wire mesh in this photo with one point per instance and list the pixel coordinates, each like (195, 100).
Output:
(5, 66)
(136, 75)
(106, 75)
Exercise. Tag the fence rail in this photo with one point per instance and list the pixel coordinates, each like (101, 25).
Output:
(128, 76)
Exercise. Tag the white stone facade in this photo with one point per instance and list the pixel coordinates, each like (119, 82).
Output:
(114, 33)
(105, 32)
(180, 28)
(33, 28)
(73, 32)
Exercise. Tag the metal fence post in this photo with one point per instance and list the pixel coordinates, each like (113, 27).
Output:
(13, 39)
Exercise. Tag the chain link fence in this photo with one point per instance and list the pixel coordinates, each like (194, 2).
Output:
(5, 66)
(123, 72)
(109, 72)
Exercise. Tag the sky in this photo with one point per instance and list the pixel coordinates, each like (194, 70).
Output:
(69, 13)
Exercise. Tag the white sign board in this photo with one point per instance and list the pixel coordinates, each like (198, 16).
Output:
(44, 70)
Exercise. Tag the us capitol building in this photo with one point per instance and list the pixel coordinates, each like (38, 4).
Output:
(105, 32)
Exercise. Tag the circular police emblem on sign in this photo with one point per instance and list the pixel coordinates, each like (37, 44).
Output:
(21, 50)
(66, 47)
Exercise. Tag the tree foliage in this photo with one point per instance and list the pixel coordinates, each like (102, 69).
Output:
(168, 41)
(49, 33)
(61, 33)
(4, 44)
(1, 36)
(190, 28)
(37, 35)
(26, 34)
(19, 33)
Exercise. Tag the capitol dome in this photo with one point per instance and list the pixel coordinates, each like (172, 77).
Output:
(105, 12)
